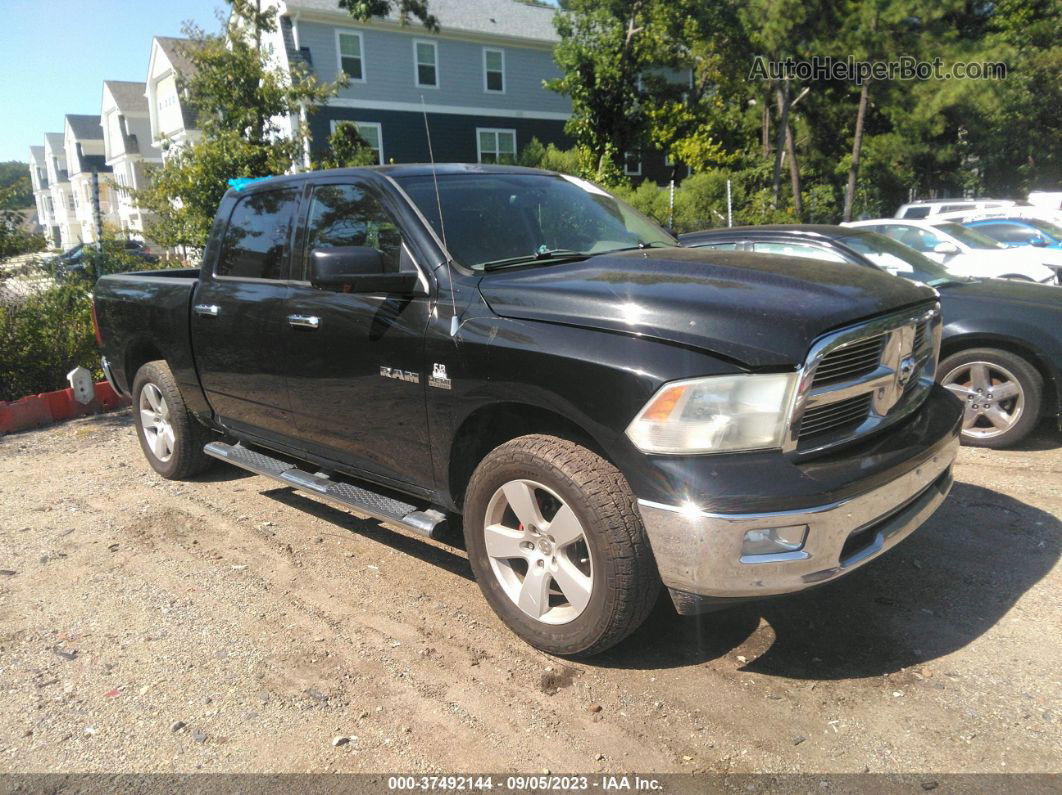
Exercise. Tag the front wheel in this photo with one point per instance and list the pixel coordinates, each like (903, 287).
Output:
(171, 438)
(1001, 394)
(557, 546)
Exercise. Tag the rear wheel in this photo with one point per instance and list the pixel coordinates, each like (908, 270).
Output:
(557, 545)
(171, 438)
(1001, 394)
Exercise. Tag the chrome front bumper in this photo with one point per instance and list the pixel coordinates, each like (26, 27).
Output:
(699, 554)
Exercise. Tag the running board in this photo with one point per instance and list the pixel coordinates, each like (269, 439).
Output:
(426, 522)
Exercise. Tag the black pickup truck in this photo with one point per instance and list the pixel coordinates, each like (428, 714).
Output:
(519, 353)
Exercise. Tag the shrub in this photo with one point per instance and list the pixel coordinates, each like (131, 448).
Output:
(43, 336)
(46, 319)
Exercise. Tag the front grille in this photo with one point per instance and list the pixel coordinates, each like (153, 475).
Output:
(842, 415)
(851, 361)
(865, 377)
(920, 336)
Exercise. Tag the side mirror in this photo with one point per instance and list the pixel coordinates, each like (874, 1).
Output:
(945, 247)
(1038, 241)
(357, 269)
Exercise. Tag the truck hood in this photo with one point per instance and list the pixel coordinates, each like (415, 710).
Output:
(761, 310)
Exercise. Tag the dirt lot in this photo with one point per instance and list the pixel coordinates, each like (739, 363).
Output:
(228, 624)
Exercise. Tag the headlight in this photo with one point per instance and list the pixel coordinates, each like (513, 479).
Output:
(716, 414)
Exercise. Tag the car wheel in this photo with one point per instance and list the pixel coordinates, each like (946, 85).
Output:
(558, 547)
(170, 436)
(1001, 393)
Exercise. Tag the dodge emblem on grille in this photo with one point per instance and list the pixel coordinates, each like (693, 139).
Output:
(900, 357)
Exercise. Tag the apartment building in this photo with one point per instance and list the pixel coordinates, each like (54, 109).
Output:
(128, 148)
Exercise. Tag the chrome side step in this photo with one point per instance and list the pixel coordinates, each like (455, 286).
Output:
(425, 521)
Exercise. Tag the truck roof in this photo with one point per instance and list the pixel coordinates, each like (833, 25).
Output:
(396, 170)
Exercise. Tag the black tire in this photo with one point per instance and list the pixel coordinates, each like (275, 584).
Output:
(625, 582)
(186, 457)
(1025, 375)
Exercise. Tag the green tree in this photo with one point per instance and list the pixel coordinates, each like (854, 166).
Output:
(14, 238)
(366, 9)
(15, 173)
(238, 96)
(347, 149)
(613, 55)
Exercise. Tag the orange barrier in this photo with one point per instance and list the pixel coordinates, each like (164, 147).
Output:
(48, 407)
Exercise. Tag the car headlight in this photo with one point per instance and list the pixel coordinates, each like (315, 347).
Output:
(714, 414)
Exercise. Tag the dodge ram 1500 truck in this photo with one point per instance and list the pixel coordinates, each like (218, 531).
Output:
(604, 409)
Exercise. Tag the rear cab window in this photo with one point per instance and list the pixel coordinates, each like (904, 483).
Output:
(255, 243)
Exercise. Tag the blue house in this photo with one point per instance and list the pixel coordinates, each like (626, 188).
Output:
(479, 79)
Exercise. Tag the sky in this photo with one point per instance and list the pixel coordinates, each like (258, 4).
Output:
(55, 55)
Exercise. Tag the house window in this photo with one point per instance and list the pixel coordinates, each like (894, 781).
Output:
(350, 55)
(496, 146)
(494, 70)
(632, 163)
(426, 57)
(371, 131)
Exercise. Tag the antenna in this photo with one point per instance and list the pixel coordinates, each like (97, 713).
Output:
(442, 224)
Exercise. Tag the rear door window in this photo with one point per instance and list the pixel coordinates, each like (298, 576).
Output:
(255, 244)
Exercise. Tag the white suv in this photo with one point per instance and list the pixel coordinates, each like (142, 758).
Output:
(931, 207)
(965, 252)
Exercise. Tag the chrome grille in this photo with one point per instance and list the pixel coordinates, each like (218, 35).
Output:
(920, 336)
(835, 416)
(851, 361)
(863, 378)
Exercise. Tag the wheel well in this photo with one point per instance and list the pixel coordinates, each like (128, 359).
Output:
(137, 355)
(494, 425)
(957, 345)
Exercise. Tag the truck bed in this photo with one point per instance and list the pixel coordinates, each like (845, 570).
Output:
(145, 315)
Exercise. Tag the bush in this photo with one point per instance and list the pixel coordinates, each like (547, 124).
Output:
(46, 320)
(43, 336)
(565, 161)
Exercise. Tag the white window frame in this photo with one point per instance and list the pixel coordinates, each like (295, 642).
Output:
(416, 63)
(496, 131)
(627, 171)
(359, 124)
(486, 87)
(340, 32)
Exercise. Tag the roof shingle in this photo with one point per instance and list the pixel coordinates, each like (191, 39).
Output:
(86, 127)
(128, 95)
(490, 17)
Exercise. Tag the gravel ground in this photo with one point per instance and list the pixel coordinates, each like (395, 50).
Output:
(228, 624)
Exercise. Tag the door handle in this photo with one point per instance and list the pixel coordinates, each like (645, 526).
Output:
(304, 321)
(210, 310)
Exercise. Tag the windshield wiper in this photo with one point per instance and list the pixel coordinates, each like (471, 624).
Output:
(642, 245)
(542, 254)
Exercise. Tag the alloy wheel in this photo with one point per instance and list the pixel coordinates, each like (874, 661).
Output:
(155, 421)
(538, 551)
(992, 397)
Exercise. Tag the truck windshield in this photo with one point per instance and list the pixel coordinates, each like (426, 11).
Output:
(897, 258)
(507, 220)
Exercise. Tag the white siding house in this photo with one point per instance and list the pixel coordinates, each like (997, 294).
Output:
(128, 148)
(42, 196)
(172, 122)
(84, 157)
(68, 230)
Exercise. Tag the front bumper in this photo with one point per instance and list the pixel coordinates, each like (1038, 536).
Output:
(699, 553)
